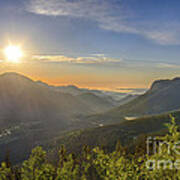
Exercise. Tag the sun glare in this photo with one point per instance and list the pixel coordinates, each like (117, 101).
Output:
(13, 53)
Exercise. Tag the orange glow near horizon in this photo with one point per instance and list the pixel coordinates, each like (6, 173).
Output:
(77, 80)
(89, 85)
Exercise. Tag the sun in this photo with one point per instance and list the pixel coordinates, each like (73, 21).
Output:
(13, 53)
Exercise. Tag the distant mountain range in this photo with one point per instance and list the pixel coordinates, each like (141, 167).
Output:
(112, 96)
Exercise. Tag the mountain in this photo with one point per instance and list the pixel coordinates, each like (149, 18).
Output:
(163, 96)
(23, 100)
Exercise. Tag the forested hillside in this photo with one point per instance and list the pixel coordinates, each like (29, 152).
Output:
(127, 133)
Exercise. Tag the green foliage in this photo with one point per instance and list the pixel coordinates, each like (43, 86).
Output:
(97, 165)
(36, 167)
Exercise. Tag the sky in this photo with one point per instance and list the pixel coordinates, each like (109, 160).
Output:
(105, 44)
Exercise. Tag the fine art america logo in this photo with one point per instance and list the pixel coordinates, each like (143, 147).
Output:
(163, 151)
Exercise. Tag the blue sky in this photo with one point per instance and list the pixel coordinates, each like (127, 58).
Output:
(129, 39)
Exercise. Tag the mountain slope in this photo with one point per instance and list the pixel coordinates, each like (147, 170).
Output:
(163, 96)
(99, 104)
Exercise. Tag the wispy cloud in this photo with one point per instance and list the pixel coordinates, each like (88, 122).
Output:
(94, 59)
(109, 17)
(102, 59)
(168, 66)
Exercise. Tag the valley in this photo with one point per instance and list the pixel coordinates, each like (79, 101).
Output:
(36, 114)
